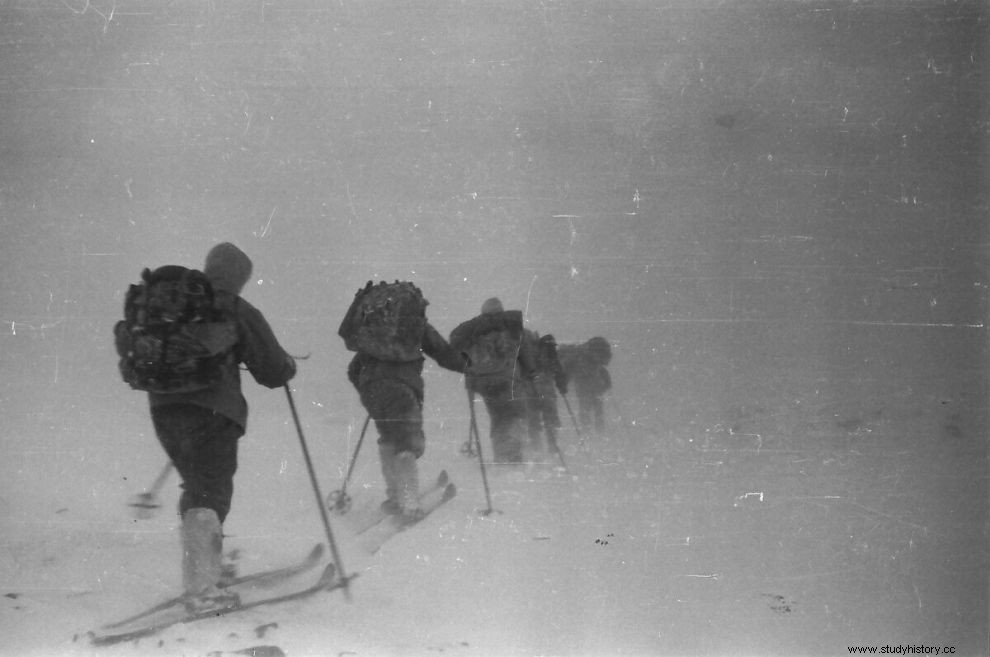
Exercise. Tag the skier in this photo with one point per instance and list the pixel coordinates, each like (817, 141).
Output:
(499, 365)
(199, 430)
(387, 373)
(586, 365)
(542, 403)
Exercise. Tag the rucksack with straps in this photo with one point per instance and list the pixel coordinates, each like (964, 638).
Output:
(172, 338)
(386, 321)
(490, 342)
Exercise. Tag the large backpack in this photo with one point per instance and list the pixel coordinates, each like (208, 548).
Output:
(492, 353)
(386, 321)
(172, 338)
(490, 343)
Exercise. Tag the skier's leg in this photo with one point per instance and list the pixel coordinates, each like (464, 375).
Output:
(386, 454)
(399, 418)
(584, 411)
(506, 430)
(202, 546)
(511, 402)
(490, 394)
(599, 412)
(203, 446)
(534, 422)
(407, 476)
(533, 416)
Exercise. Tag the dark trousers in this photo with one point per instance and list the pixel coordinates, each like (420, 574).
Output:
(203, 447)
(505, 400)
(542, 412)
(398, 414)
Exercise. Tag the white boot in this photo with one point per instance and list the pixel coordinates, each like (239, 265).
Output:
(202, 545)
(407, 482)
(386, 454)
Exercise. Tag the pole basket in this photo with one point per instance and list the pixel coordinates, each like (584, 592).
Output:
(339, 501)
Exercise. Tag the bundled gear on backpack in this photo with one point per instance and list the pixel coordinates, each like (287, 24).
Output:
(172, 338)
(386, 321)
(490, 342)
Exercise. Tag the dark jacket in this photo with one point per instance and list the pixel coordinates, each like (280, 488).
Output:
(364, 369)
(584, 369)
(229, 269)
(256, 347)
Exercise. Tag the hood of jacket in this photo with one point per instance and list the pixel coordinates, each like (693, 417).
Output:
(491, 306)
(227, 267)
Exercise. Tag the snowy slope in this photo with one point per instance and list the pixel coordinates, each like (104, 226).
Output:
(775, 526)
(776, 212)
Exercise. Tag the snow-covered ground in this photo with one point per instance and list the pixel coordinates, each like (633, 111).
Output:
(775, 212)
(760, 514)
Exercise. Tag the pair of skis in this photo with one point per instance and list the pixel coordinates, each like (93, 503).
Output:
(375, 528)
(375, 536)
(254, 591)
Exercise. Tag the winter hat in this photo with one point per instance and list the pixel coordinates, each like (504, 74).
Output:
(600, 349)
(490, 306)
(227, 267)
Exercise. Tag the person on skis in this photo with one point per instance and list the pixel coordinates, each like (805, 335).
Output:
(586, 364)
(386, 325)
(199, 430)
(542, 403)
(499, 366)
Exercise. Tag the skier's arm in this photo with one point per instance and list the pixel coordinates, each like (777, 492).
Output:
(439, 350)
(268, 363)
(354, 370)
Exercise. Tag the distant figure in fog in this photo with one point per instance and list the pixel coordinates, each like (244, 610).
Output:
(542, 402)
(586, 366)
(500, 367)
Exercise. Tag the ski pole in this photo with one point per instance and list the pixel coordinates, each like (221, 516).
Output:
(147, 502)
(345, 579)
(481, 460)
(467, 449)
(339, 499)
(560, 455)
(573, 419)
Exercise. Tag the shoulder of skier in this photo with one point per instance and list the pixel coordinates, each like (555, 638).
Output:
(258, 348)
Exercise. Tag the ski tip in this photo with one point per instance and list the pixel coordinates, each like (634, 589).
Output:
(442, 479)
(449, 491)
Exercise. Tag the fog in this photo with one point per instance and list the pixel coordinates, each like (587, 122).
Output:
(775, 212)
